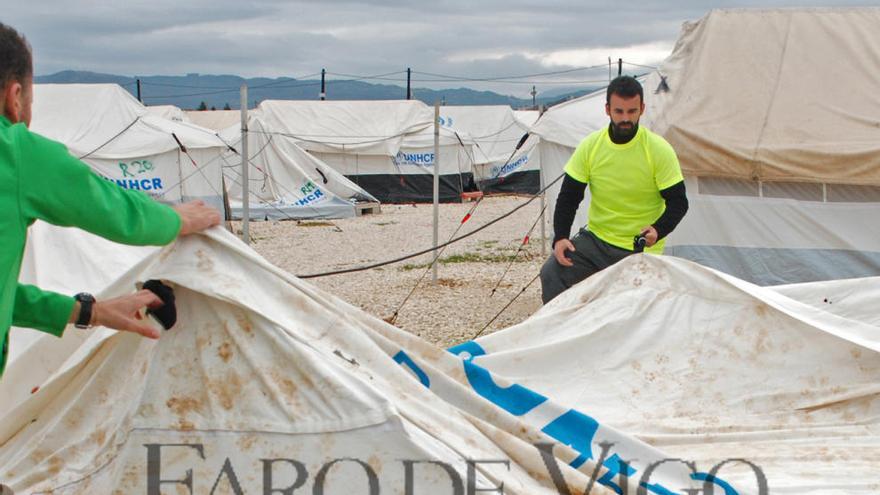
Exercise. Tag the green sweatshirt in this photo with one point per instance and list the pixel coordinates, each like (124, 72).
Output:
(40, 180)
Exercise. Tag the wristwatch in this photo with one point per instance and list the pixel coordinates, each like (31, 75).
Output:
(86, 301)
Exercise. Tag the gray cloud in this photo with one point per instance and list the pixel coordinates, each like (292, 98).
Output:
(276, 38)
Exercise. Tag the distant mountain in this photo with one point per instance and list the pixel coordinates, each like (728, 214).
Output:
(218, 91)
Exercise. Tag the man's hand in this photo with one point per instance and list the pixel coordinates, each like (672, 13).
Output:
(196, 216)
(650, 235)
(124, 313)
(560, 248)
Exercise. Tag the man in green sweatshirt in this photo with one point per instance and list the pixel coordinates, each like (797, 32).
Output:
(40, 180)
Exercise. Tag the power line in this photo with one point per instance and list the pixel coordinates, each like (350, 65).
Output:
(639, 65)
(523, 76)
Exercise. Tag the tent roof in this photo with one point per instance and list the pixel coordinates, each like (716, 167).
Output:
(374, 127)
(214, 119)
(105, 121)
(494, 128)
(775, 94)
(568, 123)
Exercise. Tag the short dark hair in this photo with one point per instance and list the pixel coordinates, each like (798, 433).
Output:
(625, 86)
(16, 61)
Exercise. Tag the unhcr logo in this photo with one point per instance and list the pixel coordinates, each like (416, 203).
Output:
(310, 194)
(417, 159)
(510, 167)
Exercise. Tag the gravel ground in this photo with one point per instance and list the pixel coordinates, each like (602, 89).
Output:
(460, 304)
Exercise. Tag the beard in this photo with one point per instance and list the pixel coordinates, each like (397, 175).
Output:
(624, 130)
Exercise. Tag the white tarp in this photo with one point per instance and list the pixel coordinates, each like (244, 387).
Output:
(103, 125)
(267, 383)
(285, 181)
(707, 368)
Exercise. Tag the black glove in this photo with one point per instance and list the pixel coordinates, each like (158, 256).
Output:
(167, 312)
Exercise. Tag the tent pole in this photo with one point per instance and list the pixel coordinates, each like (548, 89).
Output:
(245, 182)
(436, 186)
(543, 199)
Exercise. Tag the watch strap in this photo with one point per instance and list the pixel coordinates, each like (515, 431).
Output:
(86, 304)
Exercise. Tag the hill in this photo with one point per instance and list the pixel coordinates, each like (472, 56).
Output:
(218, 91)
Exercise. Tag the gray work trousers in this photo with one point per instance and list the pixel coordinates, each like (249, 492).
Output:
(591, 255)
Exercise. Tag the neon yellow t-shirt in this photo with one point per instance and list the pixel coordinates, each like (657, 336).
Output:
(625, 183)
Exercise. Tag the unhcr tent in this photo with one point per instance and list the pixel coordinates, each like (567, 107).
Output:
(103, 125)
(778, 138)
(284, 180)
(385, 147)
(169, 112)
(506, 158)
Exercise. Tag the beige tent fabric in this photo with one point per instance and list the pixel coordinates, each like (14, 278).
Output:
(775, 95)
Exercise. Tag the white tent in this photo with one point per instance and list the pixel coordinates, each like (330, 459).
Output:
(103, 125)
(169, 112)
(284, 180)
(527, 117)
(386, 147)
(779, 151)
(217, 120)
(499, 166)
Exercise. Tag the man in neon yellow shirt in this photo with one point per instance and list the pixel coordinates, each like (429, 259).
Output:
(636, 188)
(40, 180)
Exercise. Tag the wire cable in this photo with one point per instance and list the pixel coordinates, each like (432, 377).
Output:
(522, 245)
(433, 261)
(505, 307)
(133, 122)
(425, 251)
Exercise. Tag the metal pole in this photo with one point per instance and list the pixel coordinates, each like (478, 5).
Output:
(543, 198)
(408, 83)
(139, 91)
(619, 66)
(245, 183)
(436, 186)
(323, 88)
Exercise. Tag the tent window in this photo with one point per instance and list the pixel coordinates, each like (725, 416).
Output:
(841, 193)
(717, 186)
(803, 191)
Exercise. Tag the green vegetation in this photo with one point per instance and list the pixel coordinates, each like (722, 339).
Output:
(314, 223)
(523, 257)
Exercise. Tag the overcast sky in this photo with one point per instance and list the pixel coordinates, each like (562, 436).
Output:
(474, 39)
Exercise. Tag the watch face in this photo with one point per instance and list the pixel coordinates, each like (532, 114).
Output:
(84, 297)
